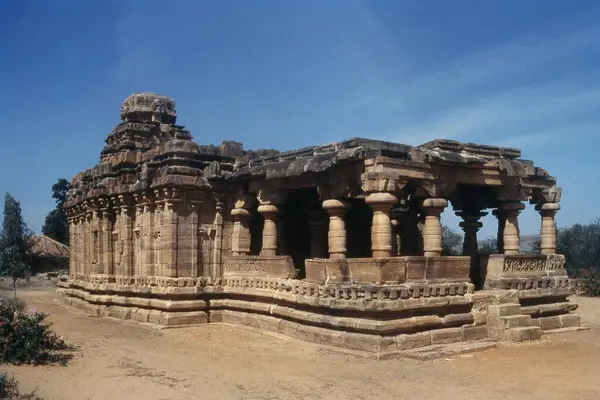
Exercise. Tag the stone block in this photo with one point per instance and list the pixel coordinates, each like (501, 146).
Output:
(406, 342)
(270, 324)
(446, 335)
(288, 328)
(315, 271)
(359, 341)
(120, 312)
(548, 323)
(183, 318)
(515, 321)
(154, 316)
(479, 317)
(140, 315)
(570, 320)
(474, 332)
(458, 319)
(503, 310)
(416, 268)
(522, 334)
(448, 268)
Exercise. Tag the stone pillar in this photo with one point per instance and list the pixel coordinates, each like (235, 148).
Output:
(240, 241)
(106, 254)
(169, 237)
(499, 214)
(71, 222)
(269, 234)
(194, 242)
(125, 224)
(511, 226)
(89, 243)
(318, 222)
(78, 243)
(149, 258)
(470, 226)
(381, 228)
(432, 228)
(337, 228)
(218, 243)
(138, 239)
(548, 228)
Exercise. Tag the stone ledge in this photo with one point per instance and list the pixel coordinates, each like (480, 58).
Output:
(295, 323)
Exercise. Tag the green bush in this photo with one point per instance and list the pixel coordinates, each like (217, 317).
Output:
(29, 340)
(9, 390)
(9, 305)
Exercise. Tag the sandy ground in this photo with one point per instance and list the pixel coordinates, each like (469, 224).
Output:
(122, 360)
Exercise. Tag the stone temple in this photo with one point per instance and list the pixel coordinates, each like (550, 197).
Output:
(339, 244)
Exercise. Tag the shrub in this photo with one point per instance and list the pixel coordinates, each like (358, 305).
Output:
(25, 338)
(9, 390)
(29, 340)
(8, 307)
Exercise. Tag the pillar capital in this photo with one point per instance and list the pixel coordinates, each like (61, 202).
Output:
(335, 206)
(548, 208)
(510, 208)
(268, 209)
(240, 214)
(381, 200)
(434, 203)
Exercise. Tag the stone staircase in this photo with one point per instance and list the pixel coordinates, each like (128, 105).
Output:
(507, 323)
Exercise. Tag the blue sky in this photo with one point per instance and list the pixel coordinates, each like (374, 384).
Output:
(285, 74)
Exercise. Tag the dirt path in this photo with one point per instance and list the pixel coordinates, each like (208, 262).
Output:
(122, 360)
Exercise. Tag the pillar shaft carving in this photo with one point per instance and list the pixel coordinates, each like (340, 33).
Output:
(548, 227)
(381, 228)
(499, 214)
(337, 228)
(107, 227)
(125, 251)
(432, 228)
(511, 232)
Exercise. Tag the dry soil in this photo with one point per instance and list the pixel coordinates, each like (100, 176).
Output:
(122, 360)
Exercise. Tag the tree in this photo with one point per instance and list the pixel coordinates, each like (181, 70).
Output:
(56, 225)
(488, 246)
(15, 243)
(12, 264)
(451, 242)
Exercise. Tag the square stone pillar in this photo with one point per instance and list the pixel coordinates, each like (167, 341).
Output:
(548, 228)
(511, 233)
(125, 219)
(72, 252)
(106, 253)
(381, 228)
(169, 238)
(218, 247)
(337, 228)
(432, 228)
(149, 257)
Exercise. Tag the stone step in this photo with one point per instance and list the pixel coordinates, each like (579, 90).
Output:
(516, 321)
(504, 310)
(522, 334)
